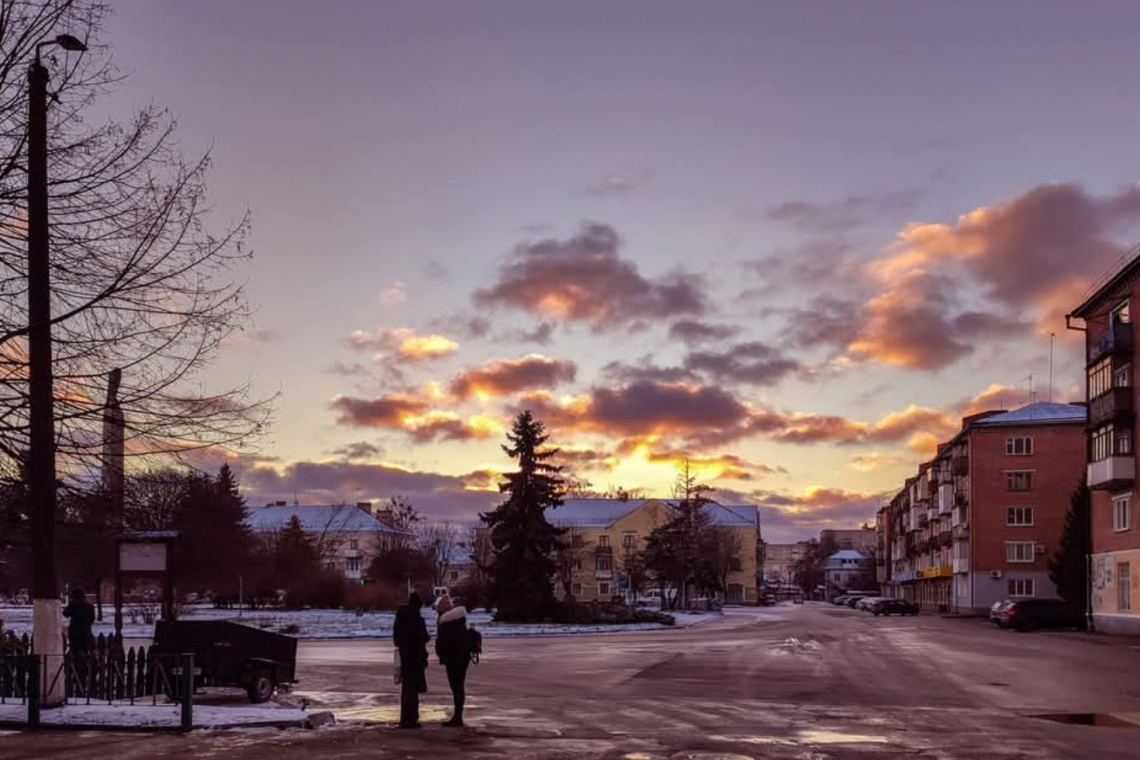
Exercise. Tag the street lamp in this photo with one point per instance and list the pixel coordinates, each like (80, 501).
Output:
(46, 614)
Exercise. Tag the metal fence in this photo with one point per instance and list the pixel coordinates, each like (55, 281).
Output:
(108, 674)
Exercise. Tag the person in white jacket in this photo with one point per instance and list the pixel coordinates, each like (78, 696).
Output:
(453, 648)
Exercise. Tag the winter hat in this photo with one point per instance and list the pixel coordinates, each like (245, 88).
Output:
(444, 604)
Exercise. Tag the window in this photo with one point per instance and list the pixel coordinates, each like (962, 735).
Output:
(1123, 442)
(1122, 513)
(1100, 444)
(352, 564)
(1018, 517)
(575, 589)
(1100, 378)
(1019, 447)
(605, 563)
(604, 542)
(1122, 377)
(1018, 551)
(629, 540)
(846, 543)
(1123, 586)
(577, 541)
(1019, 480)
(353, 544)
(1021, 587)
(603, 589)
(1120, 315)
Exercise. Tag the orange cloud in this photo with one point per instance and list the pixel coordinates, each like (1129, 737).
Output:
(506, 377)
(404, 343)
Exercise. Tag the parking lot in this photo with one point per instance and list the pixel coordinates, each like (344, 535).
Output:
(792, 681)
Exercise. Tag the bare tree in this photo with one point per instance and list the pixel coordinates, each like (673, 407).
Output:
(140, 282)
(476, 583)
(568, 557)
(438, 541)
(722, 548)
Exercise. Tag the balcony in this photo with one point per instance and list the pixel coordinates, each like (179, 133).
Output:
(960, 466)
(1116, 340)
(1112, 404)
(962, 499)
(961, 565)
(945, 498)
(604, 574)
(902, 576)
(1113, 473)
(961, 531)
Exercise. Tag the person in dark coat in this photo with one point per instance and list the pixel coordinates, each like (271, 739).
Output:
(454, 651)
(410, 635)
(80, 639)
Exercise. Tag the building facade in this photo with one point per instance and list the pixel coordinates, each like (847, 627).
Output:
(846, 570)
(607, 532)
(979, 521)
(1110, 355)
(853, 539)
(347, 537)
(780, 562)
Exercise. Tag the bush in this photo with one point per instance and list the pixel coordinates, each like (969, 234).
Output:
(372, 597)
(605, 613)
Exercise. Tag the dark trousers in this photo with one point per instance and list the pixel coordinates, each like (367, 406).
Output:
(409, 702)
(457, 679)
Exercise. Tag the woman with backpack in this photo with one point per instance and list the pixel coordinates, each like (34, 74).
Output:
(453, 647)
(410, 636)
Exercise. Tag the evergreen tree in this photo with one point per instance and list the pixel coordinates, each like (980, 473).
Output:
(296, 565)
(1068, 567)
(214, 540)
(524, 541)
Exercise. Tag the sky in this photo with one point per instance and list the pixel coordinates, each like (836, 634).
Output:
(792, 243)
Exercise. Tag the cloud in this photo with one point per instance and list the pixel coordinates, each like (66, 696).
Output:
(358, 450)
(787, 516)
(876, 460)
(995, 397)
(715, 466)
(827, 320)
(646, 370)
(753, 363)
(252, 337)
(583, 279)
(435, 495)
(611, 187)
(411, 415)
(345, 369)
(434, 270)
(833, 216)
(692, 331)
(541, 334)
(404, 344)
(393, 295)
(510, 376)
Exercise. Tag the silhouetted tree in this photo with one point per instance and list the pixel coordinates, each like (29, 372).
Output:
(524, 541)
(403, 567)
(808, 569)
(568, 558)
(721, 553)
(673, 549)
(1068, 567)
(438, 541)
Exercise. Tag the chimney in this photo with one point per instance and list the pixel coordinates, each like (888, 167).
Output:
(385, 515)
(364, 506)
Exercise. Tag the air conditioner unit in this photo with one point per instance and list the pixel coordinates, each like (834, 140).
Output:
(1039, 549)
(995, 574)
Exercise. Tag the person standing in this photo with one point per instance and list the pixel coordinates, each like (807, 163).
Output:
(80, 639)
(410, 635)
(454, 651)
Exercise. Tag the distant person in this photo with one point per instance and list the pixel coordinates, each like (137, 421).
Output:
(453, 648)
(80, 639)
(409, 633)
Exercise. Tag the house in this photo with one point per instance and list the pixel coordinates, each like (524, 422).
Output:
(780, 562)
(846, 570)
(608, 531)
(1110, 353)
(347, 537)
(979, 521)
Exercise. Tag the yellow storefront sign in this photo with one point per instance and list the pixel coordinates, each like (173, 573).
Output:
(942, 571)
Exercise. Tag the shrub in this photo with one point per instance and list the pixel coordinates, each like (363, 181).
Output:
(374, 596)
(605, 613)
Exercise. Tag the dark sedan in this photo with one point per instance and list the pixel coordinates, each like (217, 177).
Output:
(1031, 614)
(894, 607)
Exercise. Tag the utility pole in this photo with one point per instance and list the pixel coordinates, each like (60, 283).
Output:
(1052, 336)
(46, 614)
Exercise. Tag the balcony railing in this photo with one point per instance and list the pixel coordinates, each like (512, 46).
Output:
(960, 466)
(961, 531)
(604, 574)
(1116, 339)
(1113, 403)
(945, 498)
(1113, 473)
(961, 565)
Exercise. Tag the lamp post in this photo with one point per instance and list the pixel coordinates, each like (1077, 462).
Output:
(46, 616)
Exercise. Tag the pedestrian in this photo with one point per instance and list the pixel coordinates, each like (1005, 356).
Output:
(80, 639)
(453, 648)
(409, 633)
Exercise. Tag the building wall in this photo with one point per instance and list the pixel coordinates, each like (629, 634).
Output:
(780, 561)
(638, 525)
(859, 539)
(1057, 464)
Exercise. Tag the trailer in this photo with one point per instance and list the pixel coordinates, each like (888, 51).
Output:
(231, 654)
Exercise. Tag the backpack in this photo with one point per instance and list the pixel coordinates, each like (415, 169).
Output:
(474, 644)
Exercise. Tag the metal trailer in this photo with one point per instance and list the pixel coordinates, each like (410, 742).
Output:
(231, 654)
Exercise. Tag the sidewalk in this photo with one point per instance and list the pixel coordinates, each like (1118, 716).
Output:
(155, 717)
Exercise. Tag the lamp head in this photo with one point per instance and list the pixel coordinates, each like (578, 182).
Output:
(70, 43)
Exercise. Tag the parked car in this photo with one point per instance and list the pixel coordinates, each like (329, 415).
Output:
(768, 600)
(997, 612)
(841, 599)
(853, 600)
(865, 603)
(1031, 614)
(893, 607)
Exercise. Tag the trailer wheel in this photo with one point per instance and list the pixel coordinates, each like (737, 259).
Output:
(261, 687)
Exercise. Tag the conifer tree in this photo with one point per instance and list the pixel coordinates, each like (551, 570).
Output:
(1068, 567)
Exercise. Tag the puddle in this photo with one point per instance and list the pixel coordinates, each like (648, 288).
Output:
(391, 714)
(1103, 720)
(838, 737)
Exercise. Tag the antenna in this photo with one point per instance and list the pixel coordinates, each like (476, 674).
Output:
(1052, 335)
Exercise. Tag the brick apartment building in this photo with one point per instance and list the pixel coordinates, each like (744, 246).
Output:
(855, 539)
(1110, 352)
(979, 521)
(780, 562)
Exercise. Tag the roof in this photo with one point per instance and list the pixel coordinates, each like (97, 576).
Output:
(845, 555)
(599, 513)
(316, 519)
(1039, 413)
(1124, 270)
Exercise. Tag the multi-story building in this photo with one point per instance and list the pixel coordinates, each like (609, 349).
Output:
(846, 570)
(855, 539)
(347, 537)
(608, 531)
(979, 521)
(780, 562)
(1110, 354)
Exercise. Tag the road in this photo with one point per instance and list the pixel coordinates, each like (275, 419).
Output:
(805, 682)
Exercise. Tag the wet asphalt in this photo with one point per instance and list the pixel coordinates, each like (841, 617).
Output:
(809, 682)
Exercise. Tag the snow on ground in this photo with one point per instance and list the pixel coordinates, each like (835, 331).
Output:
(345, 624)
(160, 716)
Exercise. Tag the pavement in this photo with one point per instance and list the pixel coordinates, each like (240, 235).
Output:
(810, 682)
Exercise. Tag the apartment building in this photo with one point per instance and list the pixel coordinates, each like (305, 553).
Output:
(607, 531)
(780, 562)
(1110, 353)
(850, 539)
(347, 536)
(979, 521)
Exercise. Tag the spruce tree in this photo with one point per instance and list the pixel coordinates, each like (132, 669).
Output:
(1068, 567)
(524, 542)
